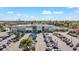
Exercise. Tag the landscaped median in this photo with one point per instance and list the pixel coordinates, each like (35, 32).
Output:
(26, 44)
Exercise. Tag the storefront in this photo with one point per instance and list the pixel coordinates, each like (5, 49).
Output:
(33, 28)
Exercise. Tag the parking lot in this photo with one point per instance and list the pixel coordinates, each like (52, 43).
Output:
(61, 44)
(75, 40)
(12, 46)
(15, 46)
(43, 42)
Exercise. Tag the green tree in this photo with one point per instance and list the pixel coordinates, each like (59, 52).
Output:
(17, 36)
(26, 43)
(1, 28)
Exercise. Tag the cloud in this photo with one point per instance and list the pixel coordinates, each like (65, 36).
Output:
(18, 15)
(27, 16)
(46, 12)
(52, 12)
(58, 12)
(71, 7)
(10, 12)
(32, 16)
(77, 11)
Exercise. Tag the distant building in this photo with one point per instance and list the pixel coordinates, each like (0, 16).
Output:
(76, 30)
(6, 28)
(33, 28)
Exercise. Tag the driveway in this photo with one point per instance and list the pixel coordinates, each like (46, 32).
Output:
(40, 45)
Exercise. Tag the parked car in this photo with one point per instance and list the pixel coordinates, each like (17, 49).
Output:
(55, 47)
(49, 44)
(77, 45)
(1, 39)
(5, 37)
(68, 42)
(48, 49)
(9, 42)
(47, 40)
(1, 48)
(57, 50)
(50, 38)
(33, 36)
(63, 38)
(4, 46)
(47, 34)
(71, 45)
(72, 33)
(74, 48)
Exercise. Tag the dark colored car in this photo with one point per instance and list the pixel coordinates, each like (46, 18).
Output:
(68, 43)
(5, 37)
(63, 38)
(71, 45)
(1, 48)
(77, 45)
(55, 47)
(75, 48)
(4, 46)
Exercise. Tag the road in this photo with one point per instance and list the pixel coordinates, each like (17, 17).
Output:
(40, 45)
(61, 44)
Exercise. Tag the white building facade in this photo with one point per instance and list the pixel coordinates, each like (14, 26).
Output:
(33, 28)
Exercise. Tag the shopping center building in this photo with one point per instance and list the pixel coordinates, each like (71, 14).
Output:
(33, 28)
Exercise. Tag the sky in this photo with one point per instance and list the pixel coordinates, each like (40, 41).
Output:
(39, 13)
